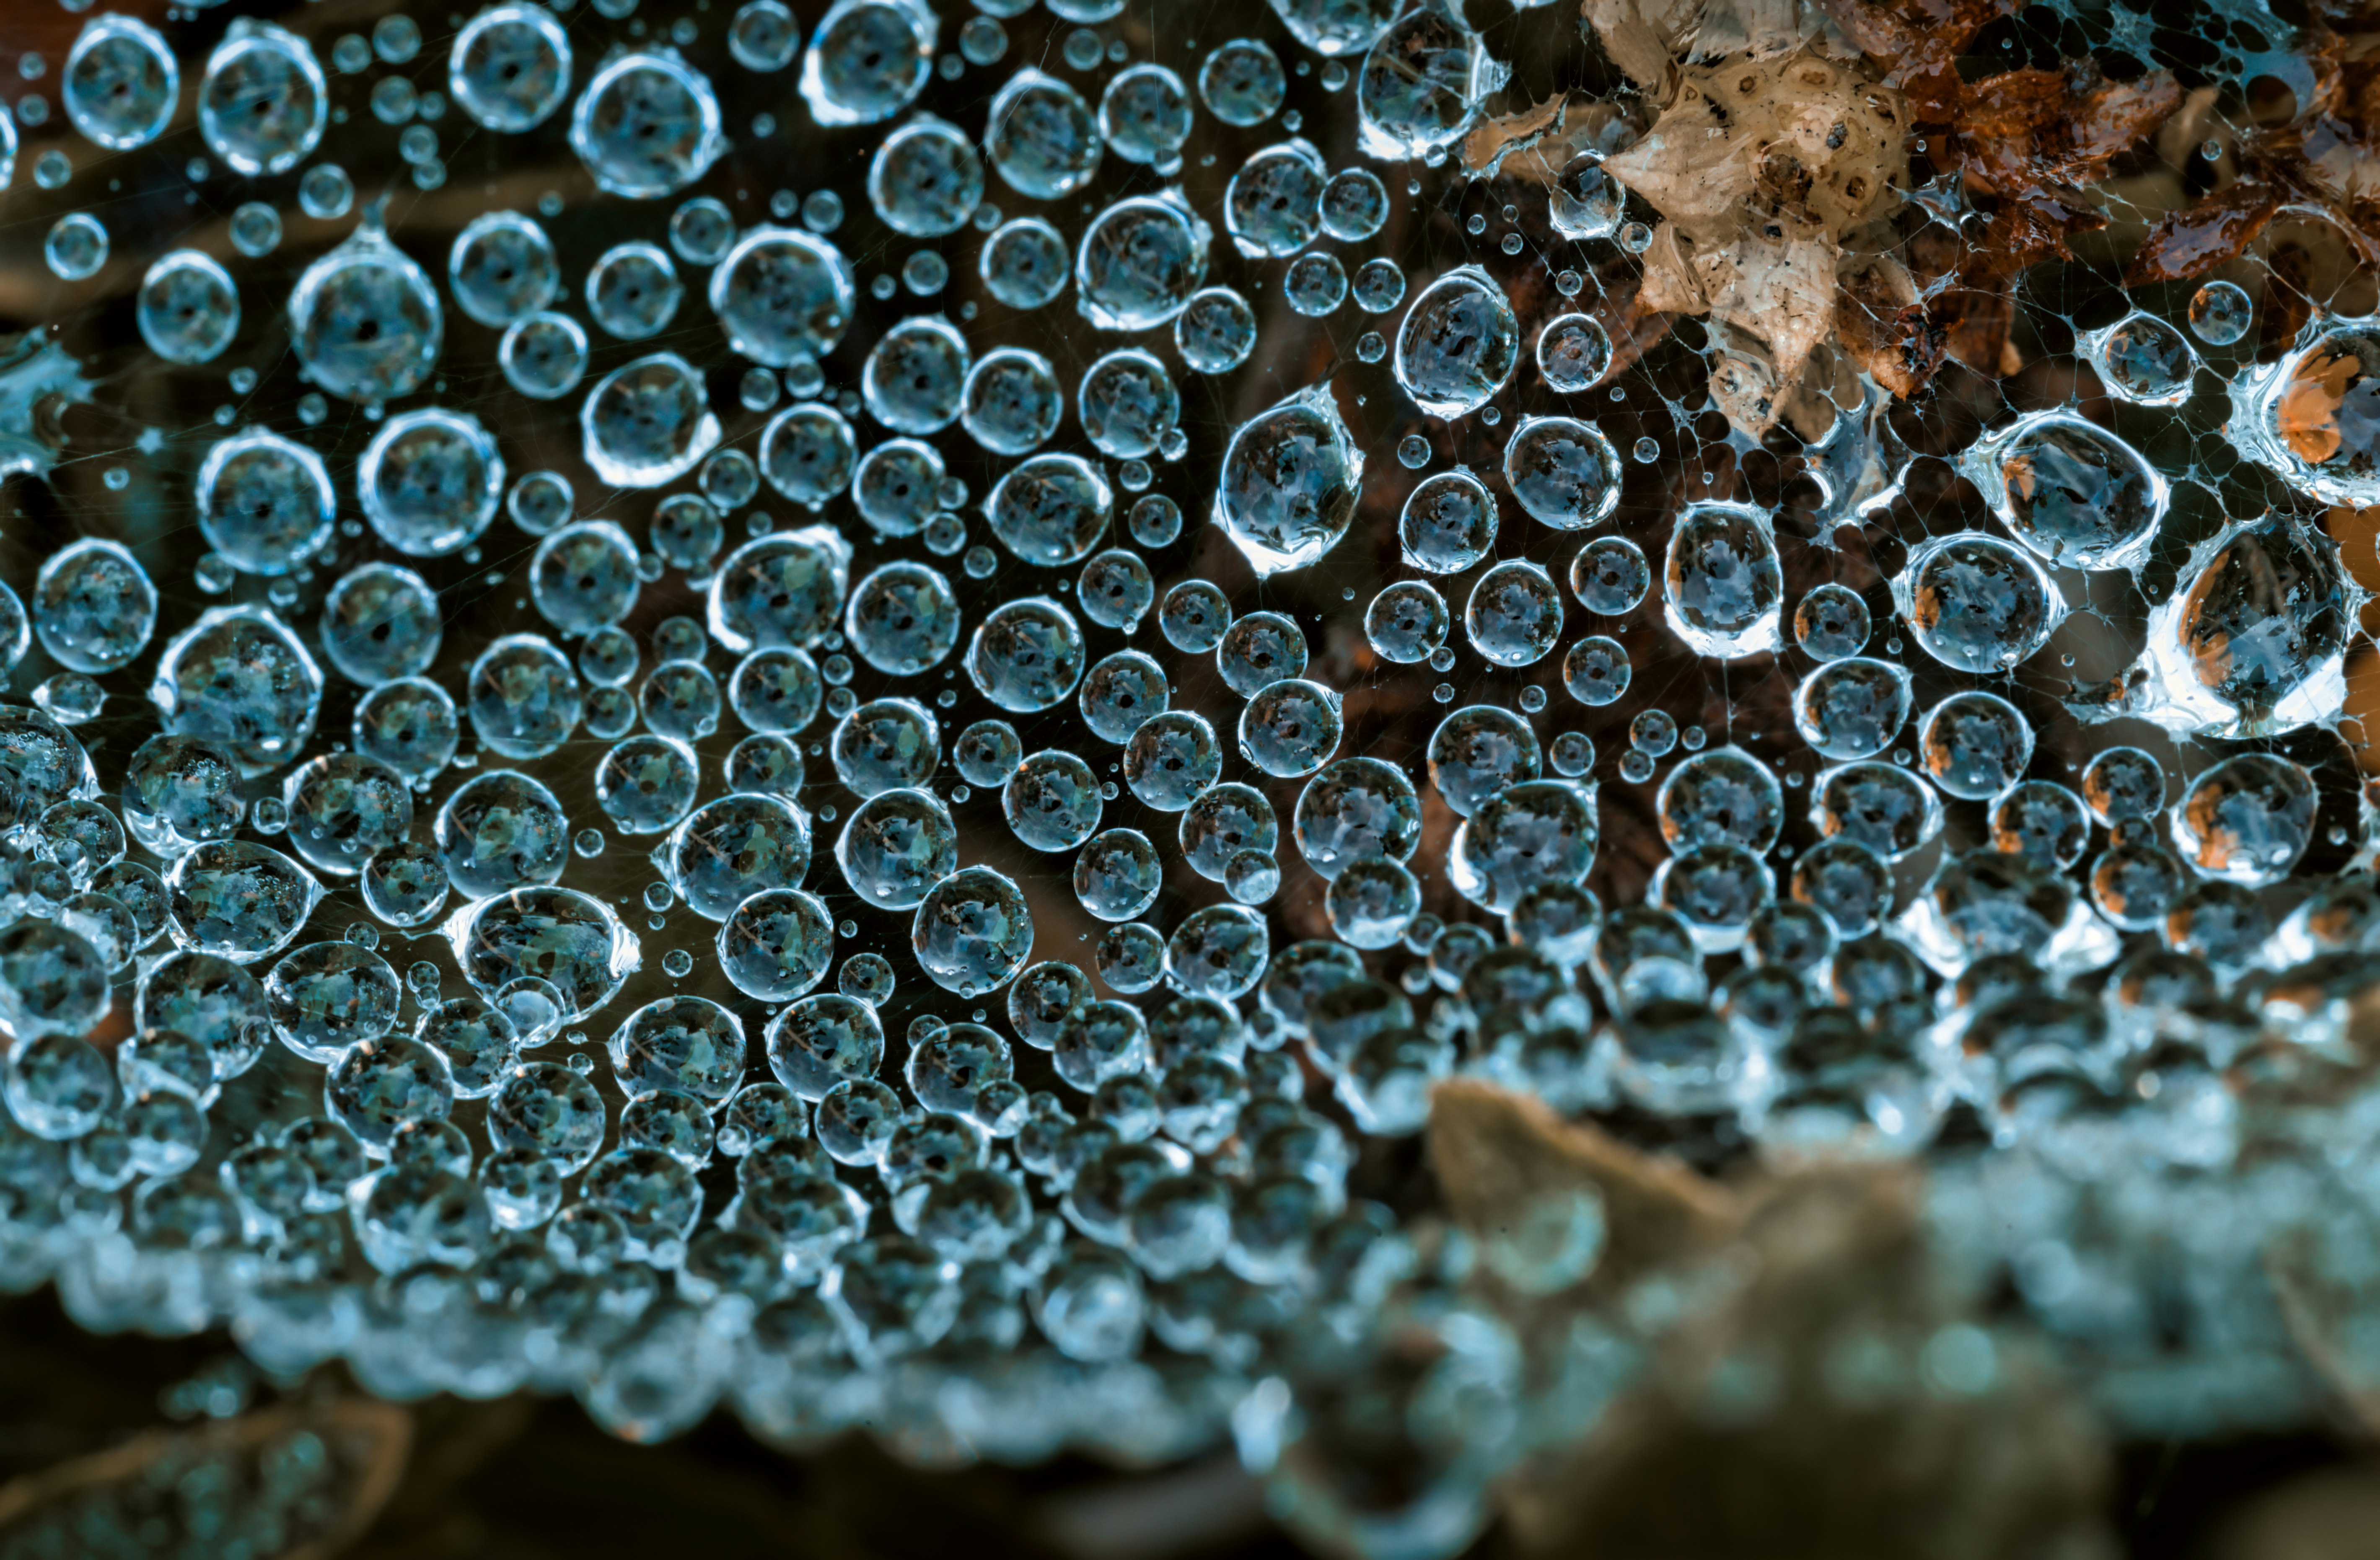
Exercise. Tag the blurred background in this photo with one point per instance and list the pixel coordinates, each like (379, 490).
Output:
(529, 1479)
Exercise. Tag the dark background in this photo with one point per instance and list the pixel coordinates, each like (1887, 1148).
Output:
(532, 1479)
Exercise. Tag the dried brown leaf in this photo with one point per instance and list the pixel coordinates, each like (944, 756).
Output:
(2194, 240)
(2026, 133)
(1492, 141)
(1916, 42)
(2357, 100)
(1748, 145)
(2113, 116)
(1975, 323)
(1633, 35)
(1781, 292)
(1669, 285)
(1687, 1463)
(1744, 383)
(2034, 140)
(1998, 116)
(2027, 230)
(1884, 326)
(1758, 27)
(2322, 52)
(369, 1444)
(1690, 169)
(1494, 1150)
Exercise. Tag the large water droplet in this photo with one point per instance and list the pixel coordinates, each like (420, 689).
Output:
(1290, 477)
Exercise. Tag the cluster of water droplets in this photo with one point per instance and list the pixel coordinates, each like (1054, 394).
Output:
(1104, 1187)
